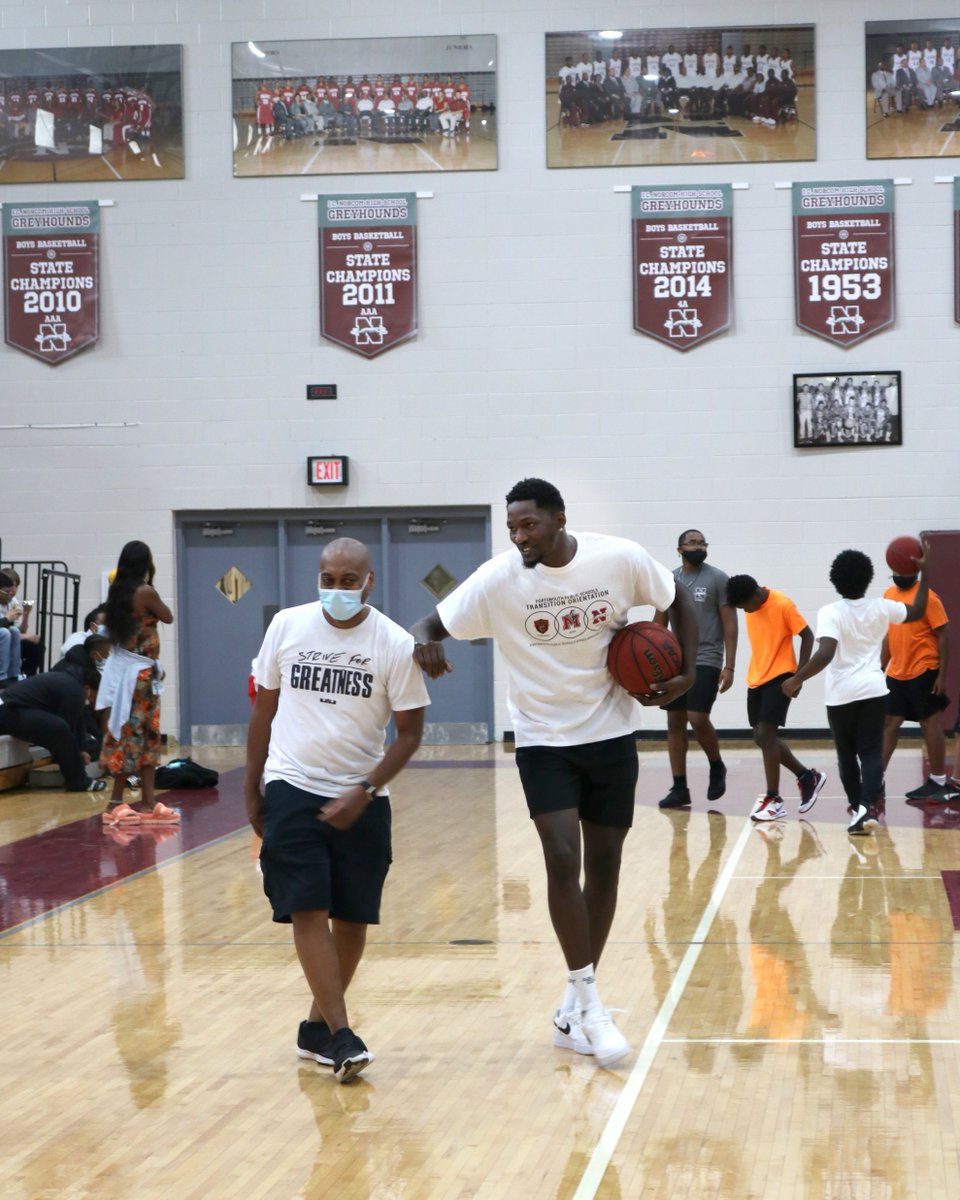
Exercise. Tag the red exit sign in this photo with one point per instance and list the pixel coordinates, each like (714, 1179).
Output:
(328, 471)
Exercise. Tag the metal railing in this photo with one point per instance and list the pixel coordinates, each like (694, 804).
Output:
(56, 594)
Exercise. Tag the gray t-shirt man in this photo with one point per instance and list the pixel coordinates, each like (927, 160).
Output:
(707, 586)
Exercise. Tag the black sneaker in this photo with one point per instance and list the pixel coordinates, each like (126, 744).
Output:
(809, 784)
(314, 1041)
(718, 781)
(858, 822)
(930, 790)
(872, 819)
(350, 1055)
(676, 798)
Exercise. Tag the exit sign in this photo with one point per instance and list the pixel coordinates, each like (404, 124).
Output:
(321, 391)
(327, 471)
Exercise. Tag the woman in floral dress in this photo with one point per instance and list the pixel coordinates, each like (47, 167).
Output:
(133, 610)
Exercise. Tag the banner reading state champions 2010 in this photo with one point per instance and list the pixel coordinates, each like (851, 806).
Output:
(51, 267)
(843, 258)
(368, 270)
(682, 262)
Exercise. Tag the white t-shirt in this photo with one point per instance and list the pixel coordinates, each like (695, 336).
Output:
(553, 626)
(338, 688)
(859, 627)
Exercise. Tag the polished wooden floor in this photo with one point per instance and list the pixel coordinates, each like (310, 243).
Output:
(157, 158)
(789, 992)
(916, 133)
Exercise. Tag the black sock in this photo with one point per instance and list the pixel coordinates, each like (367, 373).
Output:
(716, 766)
(679, 783)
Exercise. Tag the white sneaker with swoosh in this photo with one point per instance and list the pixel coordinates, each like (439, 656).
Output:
(568, 1032)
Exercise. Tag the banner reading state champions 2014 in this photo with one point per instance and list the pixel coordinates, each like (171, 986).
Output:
(682, 262)
(368, 270)
(51, 266)
(843, 258)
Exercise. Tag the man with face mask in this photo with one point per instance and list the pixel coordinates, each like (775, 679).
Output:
(330, 676)
(716, 660)
(915, 659)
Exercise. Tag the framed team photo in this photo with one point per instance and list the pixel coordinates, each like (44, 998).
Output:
(365, 106)
(91, 113)
(913, 88)
(678, 95)
(856, 409)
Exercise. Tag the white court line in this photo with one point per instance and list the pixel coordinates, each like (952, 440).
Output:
(312, 160)
(600, 1159)
(430, 156)
(112, 167)
(619, 148)
(820, 1041)
(943, 150)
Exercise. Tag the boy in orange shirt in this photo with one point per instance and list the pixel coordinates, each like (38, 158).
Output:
(915, 658)
(772, 621)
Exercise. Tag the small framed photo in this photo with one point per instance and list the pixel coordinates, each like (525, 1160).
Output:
(858, 409)
(697, 96)
(91, 114)
(913, 88)
(365, 106)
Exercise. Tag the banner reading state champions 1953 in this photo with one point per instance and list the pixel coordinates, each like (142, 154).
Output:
(682, 262)
(368, 270)
(843, 258)
(51, 265)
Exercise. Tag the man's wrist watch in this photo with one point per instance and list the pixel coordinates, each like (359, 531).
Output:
(368, 787)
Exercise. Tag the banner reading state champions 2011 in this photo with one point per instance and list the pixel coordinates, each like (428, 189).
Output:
(682, 262)
(368, 270)
(51, 267)
(843, 258)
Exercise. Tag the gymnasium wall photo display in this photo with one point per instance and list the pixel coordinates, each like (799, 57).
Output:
(365, 106)
(913, 88)
(91, 114)
(857, 409)
(701, 95)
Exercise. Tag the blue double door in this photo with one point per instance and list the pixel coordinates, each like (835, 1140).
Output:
(235, 571)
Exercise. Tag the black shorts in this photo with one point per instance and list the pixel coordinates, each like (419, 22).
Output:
(913, 699)
(701, 695)
(767, 704)
(309, 866)
(598, 779)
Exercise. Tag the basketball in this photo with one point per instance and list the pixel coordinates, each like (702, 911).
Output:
(901, 554)
(643, 655)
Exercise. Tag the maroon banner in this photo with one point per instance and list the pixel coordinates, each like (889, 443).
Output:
(843, 259)
(682, 262)
(368, 271)
(51, 267)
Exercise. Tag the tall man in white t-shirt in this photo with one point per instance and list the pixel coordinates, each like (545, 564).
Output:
(553, 606)
(850, 632)
(329, 677)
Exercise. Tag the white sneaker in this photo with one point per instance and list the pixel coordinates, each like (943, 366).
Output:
(608, 1043)
(568, 1032)
(768, 808)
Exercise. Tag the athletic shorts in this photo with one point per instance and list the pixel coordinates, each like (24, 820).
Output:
(309, 866)
(701, 695)
(913, 699)
(767, 704)
(598, 779)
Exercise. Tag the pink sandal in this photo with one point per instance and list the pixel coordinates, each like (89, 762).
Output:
(121, 814)
(161, 815)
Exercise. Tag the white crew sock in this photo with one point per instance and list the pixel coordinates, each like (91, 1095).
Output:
(569, 1002)
(584, 985)
(940, 780)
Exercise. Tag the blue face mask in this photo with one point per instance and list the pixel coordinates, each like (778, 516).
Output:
(341, 603)
(102, 630)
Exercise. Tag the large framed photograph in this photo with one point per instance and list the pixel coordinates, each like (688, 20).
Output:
(365, 106)
(913, 88)
(860, 409)
(661, 97)
(91, 114)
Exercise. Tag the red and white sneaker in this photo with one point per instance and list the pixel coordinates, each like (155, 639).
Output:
(768, 808)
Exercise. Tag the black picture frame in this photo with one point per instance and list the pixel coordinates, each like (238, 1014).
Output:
(847, 409)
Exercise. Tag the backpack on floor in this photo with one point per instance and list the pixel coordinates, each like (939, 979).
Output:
(185, 773)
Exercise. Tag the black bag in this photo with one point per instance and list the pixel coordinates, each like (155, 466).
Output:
(185, 773)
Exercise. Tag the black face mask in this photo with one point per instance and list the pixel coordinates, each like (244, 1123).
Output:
(904, 582)
(694, 557)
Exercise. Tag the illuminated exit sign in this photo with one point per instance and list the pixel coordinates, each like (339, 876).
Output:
(328, 471)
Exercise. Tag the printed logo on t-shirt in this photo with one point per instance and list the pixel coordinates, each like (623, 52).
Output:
(700, 594)
(578, 617)
(332, 673)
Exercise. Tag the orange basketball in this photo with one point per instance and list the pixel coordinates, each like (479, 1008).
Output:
(643, 655)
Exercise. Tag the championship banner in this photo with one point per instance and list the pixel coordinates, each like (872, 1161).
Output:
(368, 270)
(682, 262)
(51, 270)
(843, 258)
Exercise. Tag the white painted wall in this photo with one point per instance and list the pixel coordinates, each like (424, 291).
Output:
(526, 362)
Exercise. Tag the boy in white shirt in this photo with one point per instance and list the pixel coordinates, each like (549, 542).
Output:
(850, 632)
